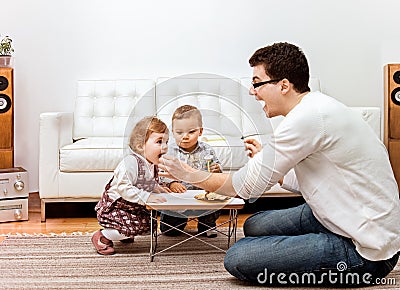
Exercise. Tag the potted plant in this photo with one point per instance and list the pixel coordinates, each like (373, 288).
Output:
(6, 50)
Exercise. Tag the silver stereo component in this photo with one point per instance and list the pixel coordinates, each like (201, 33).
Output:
(14, 193)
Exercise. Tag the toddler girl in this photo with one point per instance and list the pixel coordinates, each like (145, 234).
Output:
(121, 210)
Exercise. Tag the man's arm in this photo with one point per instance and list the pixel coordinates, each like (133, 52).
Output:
(213, 182)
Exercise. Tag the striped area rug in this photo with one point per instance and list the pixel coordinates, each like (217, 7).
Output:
(70, 262)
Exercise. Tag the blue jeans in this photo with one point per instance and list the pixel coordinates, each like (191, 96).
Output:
(290, 247)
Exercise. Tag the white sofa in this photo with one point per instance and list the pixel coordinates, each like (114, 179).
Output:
(80, 149)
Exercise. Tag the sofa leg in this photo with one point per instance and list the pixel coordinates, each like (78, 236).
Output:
(42, 210)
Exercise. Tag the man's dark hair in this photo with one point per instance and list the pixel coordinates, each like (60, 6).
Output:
(284, 60)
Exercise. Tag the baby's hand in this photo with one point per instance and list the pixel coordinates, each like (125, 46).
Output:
(215, 168)
(156, 199)
(177, 187)
(160, 189)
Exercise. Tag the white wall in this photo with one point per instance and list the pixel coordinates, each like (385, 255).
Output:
(56, 43)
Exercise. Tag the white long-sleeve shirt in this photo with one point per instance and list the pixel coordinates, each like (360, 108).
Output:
(341, 168)
(125, 177)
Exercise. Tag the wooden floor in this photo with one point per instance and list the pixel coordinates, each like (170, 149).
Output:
(66, 218)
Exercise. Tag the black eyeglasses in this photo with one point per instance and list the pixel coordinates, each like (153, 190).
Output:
(256, 85)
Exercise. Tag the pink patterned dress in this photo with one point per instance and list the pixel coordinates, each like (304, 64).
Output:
(130, 219)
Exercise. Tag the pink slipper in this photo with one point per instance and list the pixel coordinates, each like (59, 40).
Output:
(103, 245)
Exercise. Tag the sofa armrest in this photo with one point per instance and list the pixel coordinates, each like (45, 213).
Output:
(55, 132)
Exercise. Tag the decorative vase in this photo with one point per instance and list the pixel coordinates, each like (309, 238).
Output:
(5, 61)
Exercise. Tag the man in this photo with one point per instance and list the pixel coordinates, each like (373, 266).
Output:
(350, 221)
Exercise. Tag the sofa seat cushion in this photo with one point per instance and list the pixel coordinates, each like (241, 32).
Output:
(92, 154)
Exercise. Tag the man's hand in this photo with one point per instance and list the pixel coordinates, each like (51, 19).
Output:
(253, 146)
(156, 199)
(178, 187)
(174, 168)
(178, 170)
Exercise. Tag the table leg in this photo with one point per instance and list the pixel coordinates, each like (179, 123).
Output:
(153, 234)
(229, 228)
(232, 225)
(235, 226)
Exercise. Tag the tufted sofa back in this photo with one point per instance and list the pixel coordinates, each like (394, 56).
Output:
(217, 98)
(102, 108)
